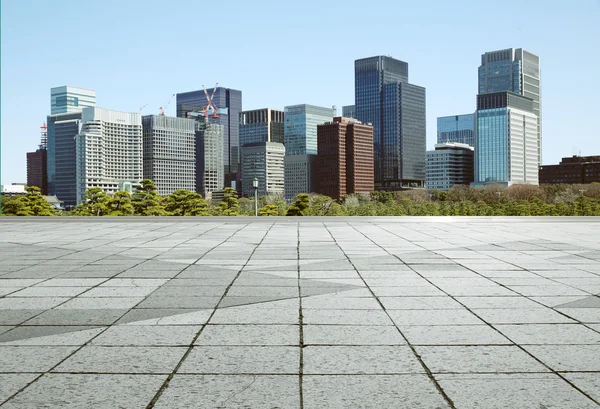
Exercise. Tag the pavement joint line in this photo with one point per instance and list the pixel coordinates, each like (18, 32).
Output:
(301, 322)
(520, 346)
(191, 346)
(412, 348)
(95, 336)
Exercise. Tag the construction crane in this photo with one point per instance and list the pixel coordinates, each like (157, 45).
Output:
(143, 108)
(210, 104)
(162, 111)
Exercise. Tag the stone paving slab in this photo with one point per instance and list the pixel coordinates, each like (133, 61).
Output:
(300, 312)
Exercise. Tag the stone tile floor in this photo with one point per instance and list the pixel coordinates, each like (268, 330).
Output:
(300, 313)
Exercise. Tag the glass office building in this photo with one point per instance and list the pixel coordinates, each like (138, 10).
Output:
(229, 102)
(396, 109)
(517, 71)
(261, 125)
(506, 140)
(67, 99)
(456, 128)
(300, 132)
(300, 135)
(62, 183)
(349, 111)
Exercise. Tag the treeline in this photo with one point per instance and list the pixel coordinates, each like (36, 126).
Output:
(494, 200)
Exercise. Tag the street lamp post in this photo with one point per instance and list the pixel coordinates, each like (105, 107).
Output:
(255, 187)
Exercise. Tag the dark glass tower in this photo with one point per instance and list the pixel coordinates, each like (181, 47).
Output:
(229, 102)
(396, 109)
(62, 129)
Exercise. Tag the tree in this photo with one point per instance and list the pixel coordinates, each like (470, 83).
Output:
(120, 204)
(30, 204)
(278, 200)
(268, 210)
(299, 207)
(146, 201)
(185, 203)
(95, 203)
(321, 205)
(230, 205)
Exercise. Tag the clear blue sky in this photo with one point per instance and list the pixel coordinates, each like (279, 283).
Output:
(137, 52)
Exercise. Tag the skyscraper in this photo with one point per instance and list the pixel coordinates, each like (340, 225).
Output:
(66, 104)
(169, 153)
(300, 135)
(456, 128)
(229, 102)
(109, 150)
(345, 158)
(396, 109)
(517, 71)
(62, 183)
(67, 99)
(506, 140)
(451, 163)
(209, 161)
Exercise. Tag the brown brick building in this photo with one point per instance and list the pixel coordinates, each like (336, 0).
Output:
(576, 169)
(345, 158)
(37, 170)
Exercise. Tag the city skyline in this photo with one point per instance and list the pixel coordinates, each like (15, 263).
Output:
(442, 61)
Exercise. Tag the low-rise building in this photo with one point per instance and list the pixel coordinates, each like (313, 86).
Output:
(449, 164)
(576, 169)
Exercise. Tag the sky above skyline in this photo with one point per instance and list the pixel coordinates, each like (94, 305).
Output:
(135, 53)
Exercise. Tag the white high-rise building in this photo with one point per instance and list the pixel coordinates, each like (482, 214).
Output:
(108, 150)
(67, 99)
(264, 161)
(169, 153)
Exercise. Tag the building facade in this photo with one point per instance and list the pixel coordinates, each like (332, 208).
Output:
(456, 128)
(345, 158)
(264, 161)
(349, 111)
(37, 170)
(209, 162)
(67, 99)
(300, 135)
(61, 156)
(169, 153)
(396, 109)
(451, 163)
(300, 132)
(517, 71)
(261, 125)
(506, 144)
(300, 175)
(108, 151)
(229, 102)
(572, 170)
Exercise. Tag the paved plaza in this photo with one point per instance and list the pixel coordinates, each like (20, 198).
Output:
(300, 313)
